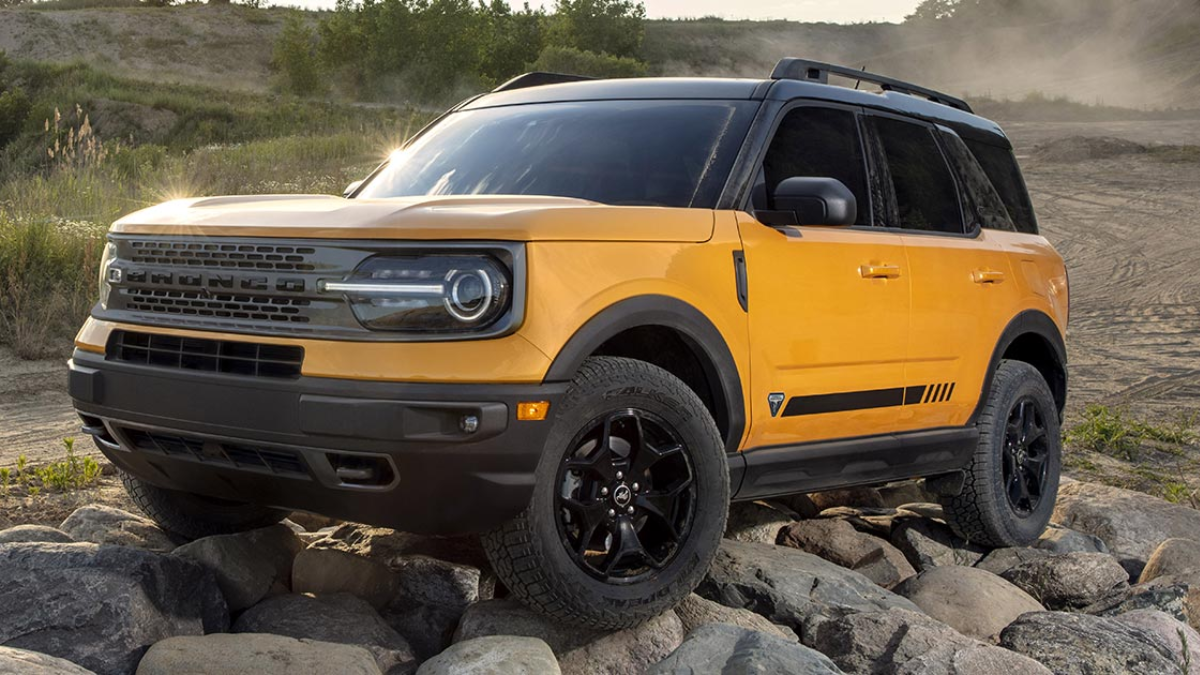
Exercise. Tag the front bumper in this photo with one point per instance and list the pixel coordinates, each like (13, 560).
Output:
(385, 453)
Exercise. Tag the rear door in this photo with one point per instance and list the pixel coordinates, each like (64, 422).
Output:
(961, 278)
(828, 306)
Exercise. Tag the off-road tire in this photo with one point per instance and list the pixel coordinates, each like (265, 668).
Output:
(527, 552)
(982, 513)
(195, 516)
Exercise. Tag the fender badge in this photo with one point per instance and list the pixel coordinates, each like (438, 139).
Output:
(776, 401)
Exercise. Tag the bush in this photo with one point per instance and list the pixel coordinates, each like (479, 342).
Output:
(14, 110)
(578, 62)
(295, 58)
(602, 26)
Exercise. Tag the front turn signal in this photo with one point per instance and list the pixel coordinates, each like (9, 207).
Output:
(533, 410)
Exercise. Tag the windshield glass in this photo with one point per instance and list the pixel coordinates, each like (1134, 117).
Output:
(656, 153)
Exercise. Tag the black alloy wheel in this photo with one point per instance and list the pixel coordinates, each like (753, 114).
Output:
(1026, 452)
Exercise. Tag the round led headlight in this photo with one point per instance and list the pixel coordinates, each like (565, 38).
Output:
(470, 294)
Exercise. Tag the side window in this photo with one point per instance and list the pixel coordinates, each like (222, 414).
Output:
(818, 142)
(926, 197)
(975, 188)
(1001, 167)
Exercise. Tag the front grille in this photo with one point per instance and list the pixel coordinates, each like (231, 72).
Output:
(195, 303)
(222, 255)
(202, 354)
(237, 455)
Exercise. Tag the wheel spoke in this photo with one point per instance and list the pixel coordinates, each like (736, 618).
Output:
(600, 461)
(646, 457)
(661, 505)
(625, 544)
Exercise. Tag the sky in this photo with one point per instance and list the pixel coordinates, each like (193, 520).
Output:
(836, 11)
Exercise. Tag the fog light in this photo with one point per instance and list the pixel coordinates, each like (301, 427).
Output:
(533, 410)
(469, 424)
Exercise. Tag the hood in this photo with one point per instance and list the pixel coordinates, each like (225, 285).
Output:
(504, 218)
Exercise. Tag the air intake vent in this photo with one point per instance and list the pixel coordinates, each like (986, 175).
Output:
(241, 456)
(223, 255)
(213, 356)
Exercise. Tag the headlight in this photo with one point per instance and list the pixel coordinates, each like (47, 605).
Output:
(429, 293)
(106, 261)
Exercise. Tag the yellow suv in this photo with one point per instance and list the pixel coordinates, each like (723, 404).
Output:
(579, 317)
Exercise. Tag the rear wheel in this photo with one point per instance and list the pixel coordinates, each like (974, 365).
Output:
(194, 516)
(1012, 482)
(629, 504)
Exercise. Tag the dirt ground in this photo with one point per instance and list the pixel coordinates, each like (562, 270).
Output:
(1128, 225)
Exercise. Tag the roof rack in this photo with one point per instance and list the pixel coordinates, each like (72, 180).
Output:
(538, 79)
(815, 71)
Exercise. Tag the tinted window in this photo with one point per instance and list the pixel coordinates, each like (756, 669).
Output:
(818, 143)
(659, 153)
(975, 188)
(1001, 167)
(926, 197)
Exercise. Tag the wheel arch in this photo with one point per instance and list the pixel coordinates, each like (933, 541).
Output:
(1034, 338)
(671, 334)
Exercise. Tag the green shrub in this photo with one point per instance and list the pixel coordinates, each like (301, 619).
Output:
(295, 58)
(614, 27)
(1107, 431)
(72, 473)
(14, 111)
(578, 62)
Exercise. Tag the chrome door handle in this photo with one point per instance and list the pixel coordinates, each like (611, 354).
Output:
(879, 271)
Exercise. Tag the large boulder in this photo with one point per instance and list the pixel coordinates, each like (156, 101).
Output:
(579, 651)
(101, 524)
(898, 641)
(1130, 523)
(249, 564)
(27, 533)
(1180, 638)
(696, 611)
(790, 587)
(838, 542)
(720, 648)
(339, 618)
(102, 606)
(1082, 644)
(756, 522)
(250, 654)
(24, 662)
(1173, 557)
(1070, 580)
(929, 543)
(1059, 539)
(494, 655)
(1001, 560)
(1169, 599)
(384, 545)
(324, 571)
(974, 602)
(430, 598)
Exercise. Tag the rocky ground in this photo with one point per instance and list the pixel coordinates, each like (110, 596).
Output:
(865, 581)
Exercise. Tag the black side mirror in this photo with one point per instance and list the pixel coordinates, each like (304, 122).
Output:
(817, 201)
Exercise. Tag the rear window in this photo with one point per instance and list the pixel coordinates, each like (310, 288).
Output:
(1001, 167)
(647, 153)
(926, 195)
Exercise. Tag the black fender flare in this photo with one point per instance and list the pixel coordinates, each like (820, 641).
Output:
(1033, 322)
(699, 334)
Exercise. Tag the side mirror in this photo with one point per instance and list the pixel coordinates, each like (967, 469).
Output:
(351, 188)
(817, 201)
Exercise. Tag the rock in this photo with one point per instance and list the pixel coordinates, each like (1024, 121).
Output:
(106, 525)
(250, 654)
(721, 648)
(755, 522)
(494, 655)
(102, 606)
(1069, 580)
(247, 565)
(23, 662)
(579, 651)
(974, 602)
(801, 506)
(340, 618)
(928, 544)
(1001, 560)
(383, 545)
(905, 492)
(838, 542)
(874, 521)
(922, 510)
(320, 572)
(900, 641)
(312, 522)
(1173, 632)
(1171, 600)
(1191, 602)
(1130, 523)
(854, 497)
(1172, 557)
(431, 596)
(1081, 644)
(1059, 539)
(27, 533)
(790, 587)
(695, 612)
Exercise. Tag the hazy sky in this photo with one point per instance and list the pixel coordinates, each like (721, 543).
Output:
(839, 11)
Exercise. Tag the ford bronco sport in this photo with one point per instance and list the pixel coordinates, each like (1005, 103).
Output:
(579, 317)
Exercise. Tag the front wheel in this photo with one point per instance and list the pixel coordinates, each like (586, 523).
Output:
(1012, 482)
(629, 504)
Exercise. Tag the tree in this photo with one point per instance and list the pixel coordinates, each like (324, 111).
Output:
(613, 27)
(513, 41)
(934, 10)
(14, 110)
(555, 59)
(295, 59)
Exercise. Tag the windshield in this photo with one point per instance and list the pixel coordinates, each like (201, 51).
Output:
(656, 153)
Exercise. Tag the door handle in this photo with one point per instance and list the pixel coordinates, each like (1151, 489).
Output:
(987, 276)
(879, 271)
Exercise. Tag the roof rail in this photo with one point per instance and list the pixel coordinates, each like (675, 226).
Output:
(538, 79)
(815, 71)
